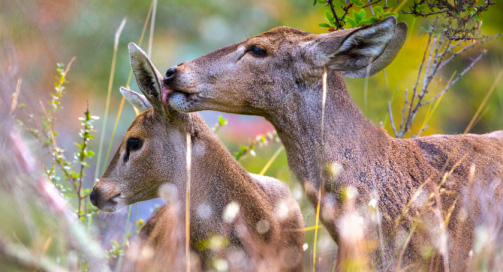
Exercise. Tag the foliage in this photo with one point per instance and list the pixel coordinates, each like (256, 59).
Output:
(220, 123)
(66, 175)
(463, 18)
(440, 50)
(336, 22)
(461, 21)
(259, 141)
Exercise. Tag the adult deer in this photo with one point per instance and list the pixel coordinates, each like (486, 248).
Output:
(278, 75)
(255, 216)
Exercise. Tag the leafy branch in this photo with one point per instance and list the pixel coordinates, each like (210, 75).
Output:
(440, 50)
(463, 17)
(47, 136)
(336, 22)
(259, 141)
(220, 123)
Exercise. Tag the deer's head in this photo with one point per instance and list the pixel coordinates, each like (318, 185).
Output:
(258, 74)
(150, 152)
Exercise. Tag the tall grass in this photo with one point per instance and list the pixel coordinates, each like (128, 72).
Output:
(150, 14)
(60, 190)
(109, 93)
(69, 181)
(188, 160)
(322, 185)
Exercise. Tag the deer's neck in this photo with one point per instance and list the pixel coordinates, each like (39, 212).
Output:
(349, 140)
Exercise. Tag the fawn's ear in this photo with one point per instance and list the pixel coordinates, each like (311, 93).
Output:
(137, 100)
(147, 78)
(361, 52)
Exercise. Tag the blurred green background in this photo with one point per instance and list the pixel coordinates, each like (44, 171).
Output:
(37, 34)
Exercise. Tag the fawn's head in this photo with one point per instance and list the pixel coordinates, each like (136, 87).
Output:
(257, 75)
(150, 152)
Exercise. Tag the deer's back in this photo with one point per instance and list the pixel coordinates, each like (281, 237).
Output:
(457, 153)
(464, 172)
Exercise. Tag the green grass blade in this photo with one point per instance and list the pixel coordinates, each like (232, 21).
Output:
(109, 92)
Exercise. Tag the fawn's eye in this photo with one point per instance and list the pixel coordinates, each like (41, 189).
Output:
(257, 51)
(134, 144)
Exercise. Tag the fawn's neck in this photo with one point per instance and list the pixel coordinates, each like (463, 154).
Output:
(218, 180)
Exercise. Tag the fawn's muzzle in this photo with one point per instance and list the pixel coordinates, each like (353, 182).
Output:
(94, 198)
(106, 196)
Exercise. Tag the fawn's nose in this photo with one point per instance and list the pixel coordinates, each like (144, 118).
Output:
(171, 71)
(94, 198)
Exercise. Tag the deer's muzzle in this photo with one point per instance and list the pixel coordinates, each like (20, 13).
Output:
(105, 197)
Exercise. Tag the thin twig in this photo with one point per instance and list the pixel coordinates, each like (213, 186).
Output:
(434, 46)
(85, 142)
(457, 78)
(338, 24)
(370, 5)
(391, 119)
(404, 108)
(15, 96)
(408, 121)
(466, 48)
(56, 151)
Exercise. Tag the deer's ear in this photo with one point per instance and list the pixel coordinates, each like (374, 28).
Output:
(137, 100)
(364, 51)
(147, 78)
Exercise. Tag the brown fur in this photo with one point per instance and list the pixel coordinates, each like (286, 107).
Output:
(160, 244)
(216, 181)
(286, 88)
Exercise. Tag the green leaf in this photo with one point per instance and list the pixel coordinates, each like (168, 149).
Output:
(324, 25)
(359, 4)
(357, 17)
(329, 16)
(378, 10)
(351, 21)
(363, 14)
(222, 121)
(420, 7)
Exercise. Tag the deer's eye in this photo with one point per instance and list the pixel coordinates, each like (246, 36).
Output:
(134, 144)
(257, 51)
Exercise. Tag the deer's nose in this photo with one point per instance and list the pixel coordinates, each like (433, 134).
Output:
(94, 198)
(171, 71)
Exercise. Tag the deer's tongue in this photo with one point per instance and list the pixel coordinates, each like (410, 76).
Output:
(165, 93)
